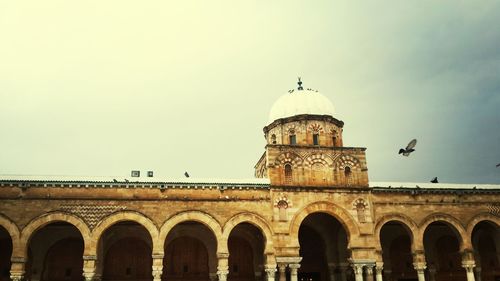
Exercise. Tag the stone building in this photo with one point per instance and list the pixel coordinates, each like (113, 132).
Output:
(310, 214)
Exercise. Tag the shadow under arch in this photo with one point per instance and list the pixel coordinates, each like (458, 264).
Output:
(211, 223)
(254, 220)
(30, 229)
(453, 223)
(337, 212)
(408, 224)
(480, 218)
(122, 216)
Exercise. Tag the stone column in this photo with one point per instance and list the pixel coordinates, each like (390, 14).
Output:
(420, 268)
(469, 269)
(432, 272)
(157, 266)
(223, 266)
(331, 270)
(270, 272)
(89, 266)
(282, 271)
(358, 271)
(369, 272)
(17, 268)
(343, 269)
(477, 270)
(378, 271)
(293, 271)
(469, 263)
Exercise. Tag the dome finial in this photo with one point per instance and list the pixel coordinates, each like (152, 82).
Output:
(300, 85)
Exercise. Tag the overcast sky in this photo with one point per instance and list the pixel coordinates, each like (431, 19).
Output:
(105, 87)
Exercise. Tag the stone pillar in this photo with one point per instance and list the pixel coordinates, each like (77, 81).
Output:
(419, 264)
(477, 271)
(282, 271)
(293, 271)
(89, 266)
(420, 268)
(223, 266)
(17, 268)
(157, 266)
(358, 271)
(343, 270)
(378, 271)
(331, 271)
(469, 263)
(432, 272)
(369, 272)
(270, 272)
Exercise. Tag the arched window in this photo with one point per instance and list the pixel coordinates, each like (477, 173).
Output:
(293, 139)
(334, 141)
(273, 139)
(288, 173)
(316, 139)
(347, 171)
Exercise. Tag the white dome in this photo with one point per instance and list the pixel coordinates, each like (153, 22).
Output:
(301, 102)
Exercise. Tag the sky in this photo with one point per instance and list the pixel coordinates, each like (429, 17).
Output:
(106, 87)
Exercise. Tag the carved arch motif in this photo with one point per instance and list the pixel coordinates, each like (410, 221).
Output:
(314, 158)
(14, 233)
(289, 157)
(347, 161)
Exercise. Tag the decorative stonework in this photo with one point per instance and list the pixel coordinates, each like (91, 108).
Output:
(92, 214)
(347, 161)
(494, 209)
(282, 202)
(315, 128)
(360, 206)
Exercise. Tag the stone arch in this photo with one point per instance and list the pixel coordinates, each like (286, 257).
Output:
(120, 216)
(254, 220)
(197, 216)
(410, 226)
(48, 218)
(345, 160)
(318, 158)
(452, 222)
(289, 157)
(336, 211)
(14, 233)
(480, 218)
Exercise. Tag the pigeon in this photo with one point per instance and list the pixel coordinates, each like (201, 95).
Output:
(186, 174)
(409, 148)
(114, 180)
(498, 165)
(435, 180)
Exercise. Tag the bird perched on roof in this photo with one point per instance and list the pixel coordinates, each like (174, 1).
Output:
(435, 180)
(409, 148)
(114, 180)
(186, 174)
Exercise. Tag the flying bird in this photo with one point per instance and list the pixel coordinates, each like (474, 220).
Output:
(498, 165)
(409, 148)
(186, 174)
(435, 180)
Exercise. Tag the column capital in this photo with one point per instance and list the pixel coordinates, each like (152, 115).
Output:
(294, 266)
(368, 269)
(419, 266)
(282, 267)
(469, 266)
